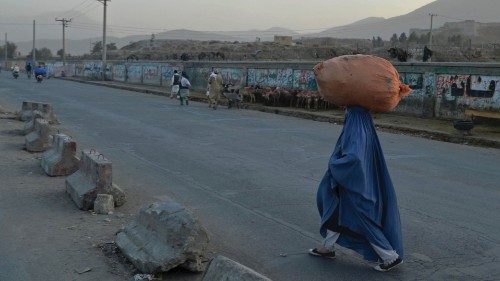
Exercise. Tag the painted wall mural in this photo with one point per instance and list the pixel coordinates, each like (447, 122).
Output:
(304, 79)
(234, 76)
(134, 73)
(151, 74)
(199, 77)
(119, 72)
(420, 102)
(270, 77)
(167, 71)
(455, 93)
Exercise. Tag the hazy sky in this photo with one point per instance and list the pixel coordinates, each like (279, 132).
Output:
(304, 15)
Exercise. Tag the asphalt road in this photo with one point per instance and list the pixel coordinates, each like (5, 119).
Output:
(251, 178)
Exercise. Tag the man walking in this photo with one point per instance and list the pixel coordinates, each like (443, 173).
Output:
(175, 84)
(184, 88)
(356, 199)
(215, 83)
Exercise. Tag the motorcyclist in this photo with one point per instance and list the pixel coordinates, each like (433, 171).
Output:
(40, 72)
(15, 71)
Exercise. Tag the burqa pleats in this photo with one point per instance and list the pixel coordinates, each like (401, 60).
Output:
(356, 196)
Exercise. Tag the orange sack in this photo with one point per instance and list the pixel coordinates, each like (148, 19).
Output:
(367, 81)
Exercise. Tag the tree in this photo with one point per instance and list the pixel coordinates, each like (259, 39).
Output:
(97, 47)
(11, 50)
(377, 42)
(394, 39)
(60, 53)
(43, 53)
(413, 37)
(403, 38)
(112, 46)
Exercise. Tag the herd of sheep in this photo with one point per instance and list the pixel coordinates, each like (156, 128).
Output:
(283, 97)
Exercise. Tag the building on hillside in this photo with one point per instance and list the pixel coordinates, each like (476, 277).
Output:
(283, 40)
(468, 28)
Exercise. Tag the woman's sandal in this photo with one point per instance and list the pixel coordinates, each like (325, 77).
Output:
(316, 253)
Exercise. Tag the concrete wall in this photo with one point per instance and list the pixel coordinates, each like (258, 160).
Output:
(442, 90)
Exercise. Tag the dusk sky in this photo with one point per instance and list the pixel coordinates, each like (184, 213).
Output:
(298, 15)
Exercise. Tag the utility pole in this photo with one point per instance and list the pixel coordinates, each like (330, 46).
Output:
(6, 45)
(430, 32)
(64, 22)
(104, 47)
(33, 53)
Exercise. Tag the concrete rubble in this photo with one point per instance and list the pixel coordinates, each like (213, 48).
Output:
(93, 177)
(164, 236)
(40, 139)
(104, 204)
(222, 268)
(60, 159)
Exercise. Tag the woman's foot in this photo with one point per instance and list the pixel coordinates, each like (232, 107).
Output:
(383, 267)
(322, 252)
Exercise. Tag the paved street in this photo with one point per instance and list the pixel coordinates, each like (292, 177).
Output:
(251, 178)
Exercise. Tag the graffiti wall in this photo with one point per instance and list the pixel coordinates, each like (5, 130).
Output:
(456, 93)
(66, 70)
(270, 77)
(92, 70)
(420, 102)
(134, 73)
(234, 76)
(151, 74)
(167, 71)
(119, 72)
(199, 77)
(304, 79)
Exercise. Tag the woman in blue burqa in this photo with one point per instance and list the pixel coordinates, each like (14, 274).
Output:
(356, 198)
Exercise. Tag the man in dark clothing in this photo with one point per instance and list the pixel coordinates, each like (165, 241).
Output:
(28, 69)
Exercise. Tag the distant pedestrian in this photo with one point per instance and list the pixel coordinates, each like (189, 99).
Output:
(175, 84)
(356, 199)
(184, 88)
(29, 69)
(216, 85)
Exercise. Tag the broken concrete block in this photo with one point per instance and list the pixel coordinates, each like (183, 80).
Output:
(60, 159)
(46, 109)
(104, 204)
(222, 268)
(94, 176)
(164, 236)
(40, 139)
(29, 126)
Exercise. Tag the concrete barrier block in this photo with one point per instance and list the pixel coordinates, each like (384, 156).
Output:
(40, 139)
(94, 176)
(29, 126)
(60, 159)
(164, 236)
(222, 268)
(46, 109)
(104, 204)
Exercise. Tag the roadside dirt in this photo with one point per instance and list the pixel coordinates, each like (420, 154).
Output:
(44, 236)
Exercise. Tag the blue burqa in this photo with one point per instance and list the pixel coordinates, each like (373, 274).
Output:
(356, 197)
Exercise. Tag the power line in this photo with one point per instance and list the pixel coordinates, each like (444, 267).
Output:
(73, 11)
